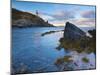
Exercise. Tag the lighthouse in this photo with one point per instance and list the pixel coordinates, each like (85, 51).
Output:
(37, 13)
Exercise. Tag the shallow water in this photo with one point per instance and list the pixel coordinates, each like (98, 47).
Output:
(36, 53)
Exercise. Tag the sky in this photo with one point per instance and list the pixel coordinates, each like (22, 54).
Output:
(59, 14)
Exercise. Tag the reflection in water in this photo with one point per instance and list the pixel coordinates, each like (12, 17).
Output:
(33, 53)
(76, 61)
(62, 63)
(82, 53)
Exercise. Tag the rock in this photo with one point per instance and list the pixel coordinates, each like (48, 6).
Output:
(72, 32)
(26, 19)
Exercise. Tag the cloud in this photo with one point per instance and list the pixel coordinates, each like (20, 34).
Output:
(86, 18)
(88, 14)
(46, 17)
(59, 15)
(84, 22)
(63, 15)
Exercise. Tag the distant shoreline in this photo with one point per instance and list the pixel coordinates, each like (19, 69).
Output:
(35, 26)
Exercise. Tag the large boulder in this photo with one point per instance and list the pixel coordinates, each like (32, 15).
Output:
(72, 32)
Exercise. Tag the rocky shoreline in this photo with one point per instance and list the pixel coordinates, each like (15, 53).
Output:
(73, 39)
(23, 19)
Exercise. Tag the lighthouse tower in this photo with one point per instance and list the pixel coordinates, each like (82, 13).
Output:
(37, 13)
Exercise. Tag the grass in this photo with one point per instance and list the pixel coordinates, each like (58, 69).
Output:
(85, 60)
(63, 59)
